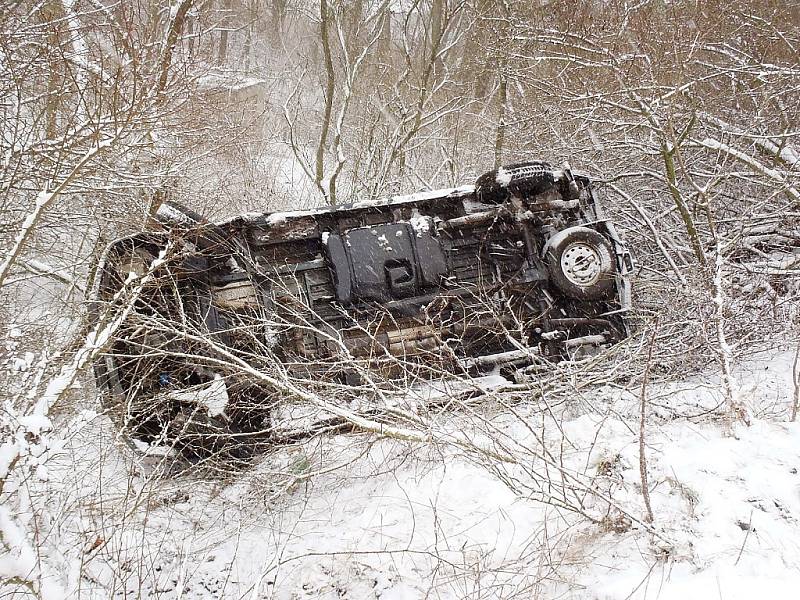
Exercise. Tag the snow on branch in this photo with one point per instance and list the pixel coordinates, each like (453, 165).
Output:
(97, 339)
(773, 174)
(43, 201)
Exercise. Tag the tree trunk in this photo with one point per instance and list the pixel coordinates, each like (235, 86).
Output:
(437, 19)
(175, 27)
(502, 100)
(385, 41)
(53, 13)
(223, 34)
(278, 16)
(324, 14)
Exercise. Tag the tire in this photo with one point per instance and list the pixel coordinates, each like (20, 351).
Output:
(520, 179)
(581, 264)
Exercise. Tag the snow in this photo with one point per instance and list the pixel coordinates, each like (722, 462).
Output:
(8, 454)
(281, 217)
(503, 177)
(361, 516)
(19, 560)
(713, 489)
(214, 82)
(213, 396)
(384, 243)
(419, 223)
(172, 214)
(21, 363)
(418, 197)
(35, 424)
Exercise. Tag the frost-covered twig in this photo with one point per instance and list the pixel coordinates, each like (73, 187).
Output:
(38, 268)
(773, 174)
(43, 201)
(96, 340)
(652, 228)
(796, 382)
(21, 562)
(495, 449)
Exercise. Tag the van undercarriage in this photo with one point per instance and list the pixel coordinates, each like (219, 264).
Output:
(518, 267)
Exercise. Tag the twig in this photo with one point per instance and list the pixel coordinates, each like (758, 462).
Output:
(746, 535)
(642, 414)
(796, 380)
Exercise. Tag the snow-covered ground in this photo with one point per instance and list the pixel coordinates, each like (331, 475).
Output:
(352, 516)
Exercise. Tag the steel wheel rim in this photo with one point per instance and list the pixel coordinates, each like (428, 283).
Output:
(581, 264)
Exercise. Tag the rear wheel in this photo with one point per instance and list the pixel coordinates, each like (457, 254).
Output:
(519, 179)
(581, 264)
